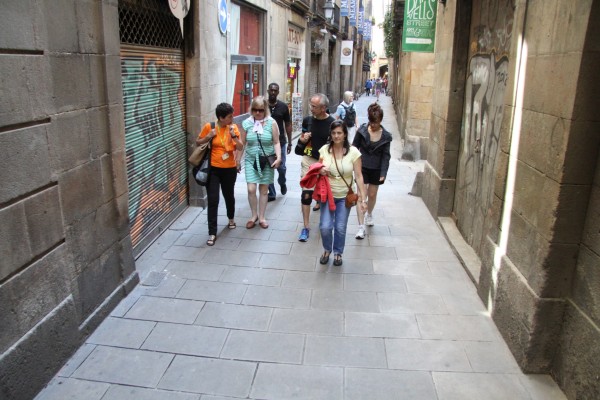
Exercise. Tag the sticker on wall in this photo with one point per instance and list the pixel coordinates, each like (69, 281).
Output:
(179, 8)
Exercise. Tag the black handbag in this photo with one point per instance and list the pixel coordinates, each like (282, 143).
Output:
(264, 159)
(300, 148)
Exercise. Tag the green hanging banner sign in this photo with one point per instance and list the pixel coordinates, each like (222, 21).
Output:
(418, 32)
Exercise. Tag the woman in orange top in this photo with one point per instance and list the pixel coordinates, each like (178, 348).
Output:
(225, 139)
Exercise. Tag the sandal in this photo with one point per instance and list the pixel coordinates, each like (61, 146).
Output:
(211, 240)
(231, 225)
(337, 260)
(324, 258)
(317, 207)
(251, 224)
(263, 224)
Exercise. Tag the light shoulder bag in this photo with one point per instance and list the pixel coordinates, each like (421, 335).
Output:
(200, 151)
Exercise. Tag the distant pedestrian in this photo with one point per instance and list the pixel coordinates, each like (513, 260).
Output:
(225, 142)
(315, 133)
(373, 141)
(346, 112)
(378, 86)
(261, 138)
(342, 166)
(281, 114)
(368, 86)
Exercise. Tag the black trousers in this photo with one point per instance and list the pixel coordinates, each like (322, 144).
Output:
(223, 178)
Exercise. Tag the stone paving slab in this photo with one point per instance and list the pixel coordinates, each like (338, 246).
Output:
(257, 317)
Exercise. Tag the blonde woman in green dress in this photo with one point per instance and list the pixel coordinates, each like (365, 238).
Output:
(260, 136)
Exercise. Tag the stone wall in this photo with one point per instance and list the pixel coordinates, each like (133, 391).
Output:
(452, 44)
(416, 89)
(66, 255)
(537, 231)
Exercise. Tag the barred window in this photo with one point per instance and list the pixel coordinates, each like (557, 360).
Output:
(149, 23)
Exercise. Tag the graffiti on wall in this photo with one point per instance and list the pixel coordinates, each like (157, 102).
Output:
(154, 139)
(485, 89)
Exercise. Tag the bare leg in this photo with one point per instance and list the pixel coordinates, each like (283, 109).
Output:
(252, 200)
(359, 213)
(262, 201)
(372, 192)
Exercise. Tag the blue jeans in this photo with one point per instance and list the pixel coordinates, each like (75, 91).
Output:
(333, 226)
(280, 171)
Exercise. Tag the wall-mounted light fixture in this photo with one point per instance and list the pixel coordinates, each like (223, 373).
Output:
(328, 8)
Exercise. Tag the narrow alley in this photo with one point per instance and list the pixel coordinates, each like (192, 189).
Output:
(257, 317)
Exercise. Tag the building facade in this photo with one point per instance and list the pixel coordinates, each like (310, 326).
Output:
(513, 166)
(102, 101)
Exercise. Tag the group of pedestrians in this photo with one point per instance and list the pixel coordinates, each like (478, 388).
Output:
(334, 172)
(376, 86)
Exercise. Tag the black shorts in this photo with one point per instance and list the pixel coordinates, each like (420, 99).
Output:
(371, 176)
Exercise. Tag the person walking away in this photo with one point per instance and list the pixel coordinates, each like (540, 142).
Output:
(342, 165)
(346, 112)
(315, 133)
(260, 137)
(368, 86)
(281, 114)
(225, 141)
(373, 141)
(378, 86)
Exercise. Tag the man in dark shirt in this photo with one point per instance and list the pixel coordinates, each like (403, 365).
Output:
(281, 114)
(315, 132)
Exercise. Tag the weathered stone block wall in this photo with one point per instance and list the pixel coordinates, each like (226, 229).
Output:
(577, 360)
(417, 72)
(66, 255)
(452, 32)
(539, 302)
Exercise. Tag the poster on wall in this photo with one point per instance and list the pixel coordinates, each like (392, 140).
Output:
(418, 33)
(346, 56)
(296, 112)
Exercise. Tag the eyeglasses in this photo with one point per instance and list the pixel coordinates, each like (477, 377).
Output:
(258, 110)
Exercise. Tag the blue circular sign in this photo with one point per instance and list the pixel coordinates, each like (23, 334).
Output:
(222, 11)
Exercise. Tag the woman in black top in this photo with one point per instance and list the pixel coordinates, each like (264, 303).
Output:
(373, 141)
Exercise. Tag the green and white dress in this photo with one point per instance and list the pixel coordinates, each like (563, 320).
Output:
(252, 151)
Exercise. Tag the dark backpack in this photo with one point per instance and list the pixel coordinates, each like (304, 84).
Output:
(349, 116)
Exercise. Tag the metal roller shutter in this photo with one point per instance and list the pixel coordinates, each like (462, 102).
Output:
(155, 139)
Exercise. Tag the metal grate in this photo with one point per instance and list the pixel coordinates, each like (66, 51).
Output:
(149, 23)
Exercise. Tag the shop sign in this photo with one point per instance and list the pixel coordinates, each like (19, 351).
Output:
(292, 71)
(295, 40)
(418, 33)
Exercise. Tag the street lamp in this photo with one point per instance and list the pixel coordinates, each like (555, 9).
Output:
(328, 9)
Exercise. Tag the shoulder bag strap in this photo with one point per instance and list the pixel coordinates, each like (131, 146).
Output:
(338, 170)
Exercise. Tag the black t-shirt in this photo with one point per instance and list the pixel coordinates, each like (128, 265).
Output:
(319, 129)
(281, 114)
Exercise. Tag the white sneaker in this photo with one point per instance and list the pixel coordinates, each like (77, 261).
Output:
(369, 219)
(361, 233)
